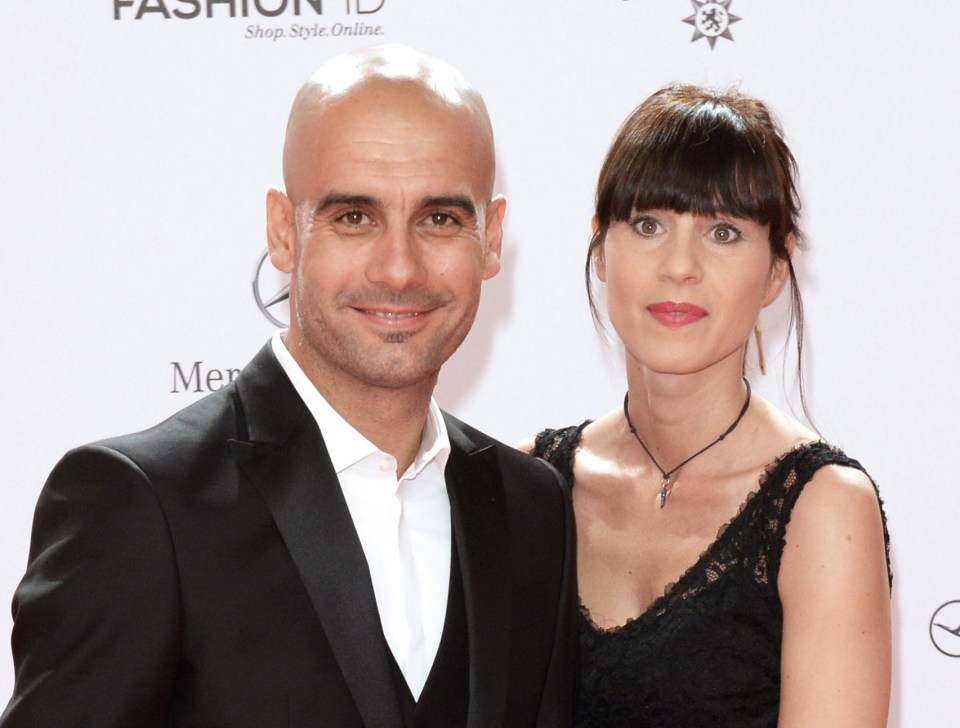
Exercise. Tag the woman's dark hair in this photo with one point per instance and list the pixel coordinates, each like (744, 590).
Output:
(691, 149)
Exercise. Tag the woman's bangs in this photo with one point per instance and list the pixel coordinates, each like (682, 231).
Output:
(701, 180)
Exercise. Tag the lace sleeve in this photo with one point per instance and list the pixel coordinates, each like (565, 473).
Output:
(788, 477)
(559, 447)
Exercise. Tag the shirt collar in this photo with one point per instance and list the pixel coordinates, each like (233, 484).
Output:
(345, 445)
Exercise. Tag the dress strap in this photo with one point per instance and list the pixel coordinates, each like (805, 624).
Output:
(559, 447)
(783, 483)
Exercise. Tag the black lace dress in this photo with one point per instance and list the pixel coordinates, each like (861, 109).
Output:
(707, 652)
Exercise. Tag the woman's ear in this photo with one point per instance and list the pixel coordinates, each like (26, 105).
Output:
(780, 271)
(599, 263)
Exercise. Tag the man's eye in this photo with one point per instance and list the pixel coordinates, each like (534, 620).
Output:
(441, 223)
(353, 217)
(441, 219)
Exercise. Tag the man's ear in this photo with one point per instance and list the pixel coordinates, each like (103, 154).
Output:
(599, 263)
(281, 230)
(780, 271)
(493, 243)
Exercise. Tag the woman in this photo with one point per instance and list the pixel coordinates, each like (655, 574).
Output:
(783, 619)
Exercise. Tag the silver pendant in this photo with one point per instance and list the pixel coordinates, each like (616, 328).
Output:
(664, 490)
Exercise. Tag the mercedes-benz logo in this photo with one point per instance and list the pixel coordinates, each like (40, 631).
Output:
(945, 628)
(270, 279)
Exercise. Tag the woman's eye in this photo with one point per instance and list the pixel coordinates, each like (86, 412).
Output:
(725, 233)
(647, 226)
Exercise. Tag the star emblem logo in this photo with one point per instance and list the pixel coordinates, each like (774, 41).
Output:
(711, 20)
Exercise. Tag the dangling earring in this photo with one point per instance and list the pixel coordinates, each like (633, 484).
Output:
(759, 338)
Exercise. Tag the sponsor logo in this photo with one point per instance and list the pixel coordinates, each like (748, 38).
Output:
(945, 628)
(198, 378)
(305, 31)
(269, 290)
(349, 16)
(711, 21)
(193, 9)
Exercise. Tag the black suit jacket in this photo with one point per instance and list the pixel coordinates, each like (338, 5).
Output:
(206, 572)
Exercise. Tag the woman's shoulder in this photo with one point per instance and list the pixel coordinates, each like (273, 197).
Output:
(835, 486)
(796, 455)
(823, 495)
(841, 487)
(817, 471)
(835, 519)
(817, 464)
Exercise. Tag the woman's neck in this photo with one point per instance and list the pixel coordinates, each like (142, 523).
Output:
(675, 415)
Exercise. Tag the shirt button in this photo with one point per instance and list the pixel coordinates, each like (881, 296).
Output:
(386, 465)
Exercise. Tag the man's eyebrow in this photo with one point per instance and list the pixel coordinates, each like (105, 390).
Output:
(340, 198)
(462, 203)
(337, 199)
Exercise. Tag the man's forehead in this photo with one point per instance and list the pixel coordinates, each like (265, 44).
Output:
(378, 97)
(406, 108)
(405, 181)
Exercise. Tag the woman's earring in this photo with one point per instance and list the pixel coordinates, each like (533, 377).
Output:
(759, 338)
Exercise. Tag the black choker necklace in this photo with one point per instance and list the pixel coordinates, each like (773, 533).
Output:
(666, 485)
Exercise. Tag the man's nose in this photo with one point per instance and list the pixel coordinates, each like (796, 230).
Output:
(397, 259)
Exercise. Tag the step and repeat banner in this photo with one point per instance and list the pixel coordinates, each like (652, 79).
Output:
(138, 138)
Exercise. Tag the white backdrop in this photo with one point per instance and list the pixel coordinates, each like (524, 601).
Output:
(134, 156)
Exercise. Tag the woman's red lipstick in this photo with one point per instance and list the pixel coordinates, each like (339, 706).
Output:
(675, 315)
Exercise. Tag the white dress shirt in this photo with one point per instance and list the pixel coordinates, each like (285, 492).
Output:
(403, 524)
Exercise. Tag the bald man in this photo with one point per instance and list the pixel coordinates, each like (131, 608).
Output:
(317, 544)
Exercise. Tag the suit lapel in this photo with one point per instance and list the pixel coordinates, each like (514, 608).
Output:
(479, 525)
(287, 461)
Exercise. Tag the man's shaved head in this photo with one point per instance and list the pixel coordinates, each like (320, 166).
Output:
(388, 225)
(392, 76)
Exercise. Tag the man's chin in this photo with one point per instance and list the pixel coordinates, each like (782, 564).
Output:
(395, 366)
(401, 379)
